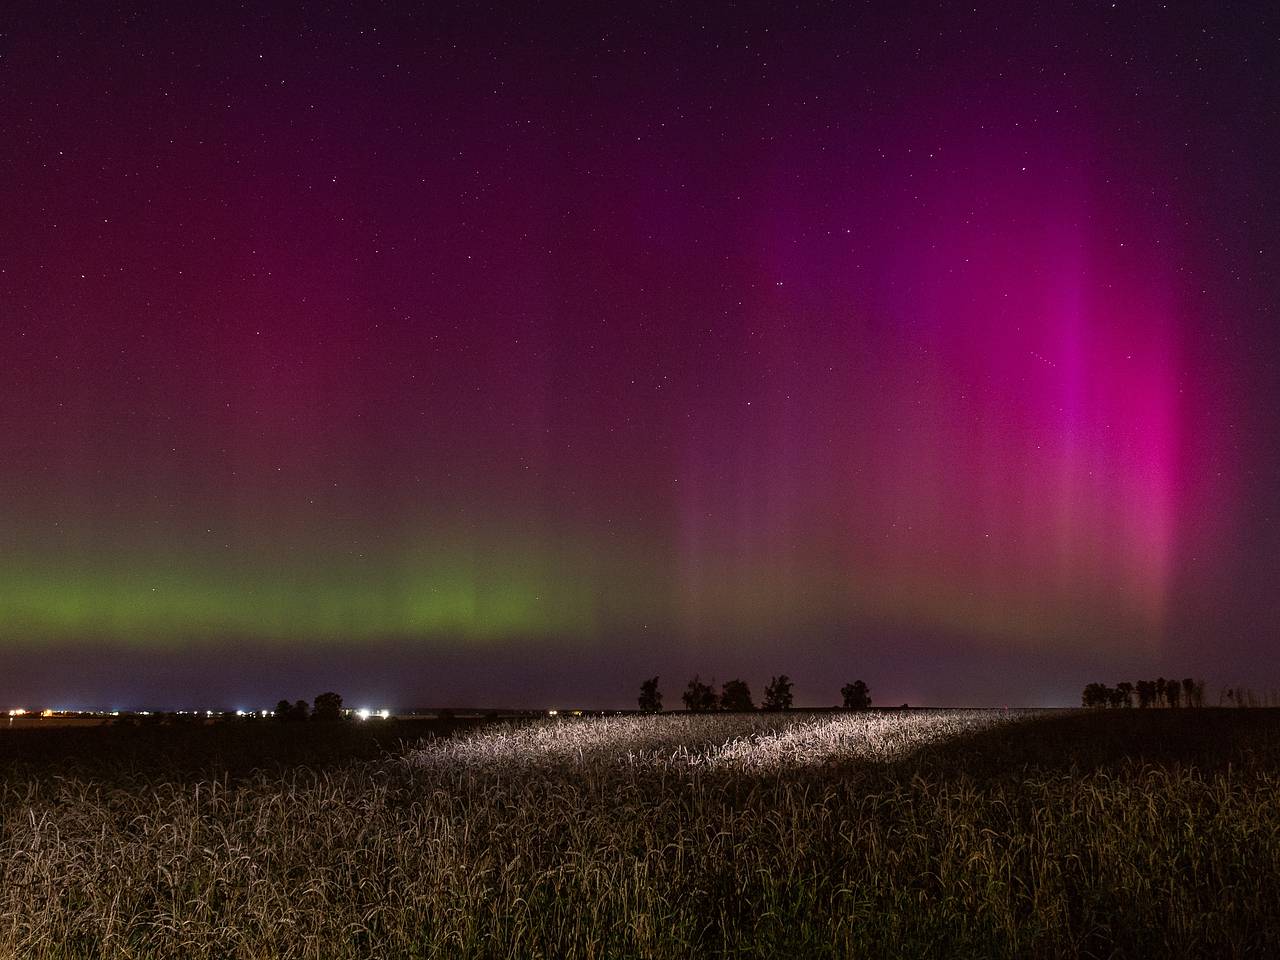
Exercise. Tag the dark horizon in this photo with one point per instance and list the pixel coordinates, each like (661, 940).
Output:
(516, 355)
(267, 677)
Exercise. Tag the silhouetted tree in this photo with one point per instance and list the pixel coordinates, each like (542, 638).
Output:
(1125, 689)
(777, 695)
(1146, 693)
(328, 706)
(1173, 693)
(699, 697)
(736, 695)
(1095, 695)
(857, 695)
(299, 710)
(650, 697)
(1189, 691)
(1115, 698)
(282, 710)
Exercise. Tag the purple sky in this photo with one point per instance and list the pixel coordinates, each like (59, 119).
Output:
(508, 356)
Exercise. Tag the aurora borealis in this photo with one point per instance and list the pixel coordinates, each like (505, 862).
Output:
(486, 355)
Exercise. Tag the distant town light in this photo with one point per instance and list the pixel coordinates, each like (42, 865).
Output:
(363, 713)
(384, 713)
(17, 712)
(239, 713)
(552, 713)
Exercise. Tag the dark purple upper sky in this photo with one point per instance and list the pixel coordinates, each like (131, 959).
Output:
(511, 355)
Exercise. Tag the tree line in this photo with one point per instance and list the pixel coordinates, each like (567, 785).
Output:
(1146, 693)
(326, 706)
(700, 695)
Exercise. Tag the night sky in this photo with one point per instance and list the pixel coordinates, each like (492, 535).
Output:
(488, 355)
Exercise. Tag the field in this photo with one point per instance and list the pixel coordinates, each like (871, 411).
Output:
(882, 833)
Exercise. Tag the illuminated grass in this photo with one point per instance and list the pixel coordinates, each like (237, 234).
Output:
(741, 742)
(950, 834)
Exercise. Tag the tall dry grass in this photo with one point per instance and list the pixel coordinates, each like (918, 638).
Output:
(835, 836)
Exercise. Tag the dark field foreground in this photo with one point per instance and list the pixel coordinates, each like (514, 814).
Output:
(1126, 833)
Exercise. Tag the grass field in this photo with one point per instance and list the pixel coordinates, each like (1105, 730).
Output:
(885, 833)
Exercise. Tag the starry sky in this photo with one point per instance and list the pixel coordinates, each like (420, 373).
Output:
(509, 354)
